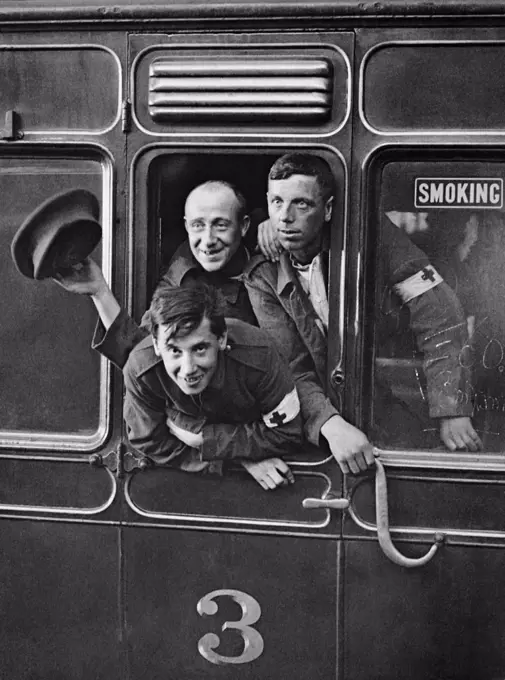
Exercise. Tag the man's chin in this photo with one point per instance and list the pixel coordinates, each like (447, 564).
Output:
(290, 246)
(192, 391)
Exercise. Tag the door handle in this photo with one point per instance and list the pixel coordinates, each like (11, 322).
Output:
(331, 503)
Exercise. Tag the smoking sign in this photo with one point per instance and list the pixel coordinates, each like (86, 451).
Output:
(459, 192)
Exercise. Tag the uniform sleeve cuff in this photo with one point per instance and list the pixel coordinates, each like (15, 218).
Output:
(119, 339)
(314, 423)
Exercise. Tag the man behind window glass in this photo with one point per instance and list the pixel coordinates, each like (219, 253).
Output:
(201, 390)
(290, 300)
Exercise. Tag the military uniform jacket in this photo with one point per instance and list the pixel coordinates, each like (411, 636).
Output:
(240, 413)
(285, 312)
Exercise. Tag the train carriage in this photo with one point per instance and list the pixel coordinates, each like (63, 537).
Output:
(112, 568)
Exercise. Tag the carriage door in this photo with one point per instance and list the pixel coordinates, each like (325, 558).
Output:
(222, 578)
(429, 145)
(59, 517)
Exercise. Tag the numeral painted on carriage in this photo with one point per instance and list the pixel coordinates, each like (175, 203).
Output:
(251, 612)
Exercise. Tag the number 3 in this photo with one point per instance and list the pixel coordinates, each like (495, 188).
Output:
(251, 612)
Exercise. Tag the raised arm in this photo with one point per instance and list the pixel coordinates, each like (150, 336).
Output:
(116, 333)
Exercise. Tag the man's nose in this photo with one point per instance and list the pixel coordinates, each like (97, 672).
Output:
(285, 213)
(208, 236)
(187, 365)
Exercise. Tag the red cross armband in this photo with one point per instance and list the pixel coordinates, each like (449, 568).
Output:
(284, 412)
(418, 283)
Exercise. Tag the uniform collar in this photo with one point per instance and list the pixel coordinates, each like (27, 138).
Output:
(286, 272)
(184, 263)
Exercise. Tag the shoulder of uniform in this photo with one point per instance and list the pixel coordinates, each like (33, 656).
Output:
(259, 267)
(248, 344)
(142, 358)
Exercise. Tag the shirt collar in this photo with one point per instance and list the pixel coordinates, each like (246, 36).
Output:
(286, 271)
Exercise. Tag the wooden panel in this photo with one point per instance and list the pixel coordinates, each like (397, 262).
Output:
(406, 87)
(59, 602)
(293, 581)
(60, 88)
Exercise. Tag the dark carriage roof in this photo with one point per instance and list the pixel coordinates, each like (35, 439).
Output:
(155, 10)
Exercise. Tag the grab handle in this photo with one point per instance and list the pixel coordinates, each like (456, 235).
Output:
(382, 513)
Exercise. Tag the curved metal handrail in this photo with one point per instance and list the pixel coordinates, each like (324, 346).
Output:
(382, 518)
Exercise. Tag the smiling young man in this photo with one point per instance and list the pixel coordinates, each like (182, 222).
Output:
(290, 300)
(201, 390)
(216, 221)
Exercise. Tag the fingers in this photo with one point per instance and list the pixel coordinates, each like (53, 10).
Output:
(268, 242)
(270, 473)
(458, 433)
(284, 470)
(356, 463)
(353, 464)
(369, 454)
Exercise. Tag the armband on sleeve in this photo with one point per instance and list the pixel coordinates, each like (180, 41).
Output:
(284, 412)
(418, 283)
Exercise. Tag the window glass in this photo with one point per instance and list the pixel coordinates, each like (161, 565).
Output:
(50, 376)
(439, 312)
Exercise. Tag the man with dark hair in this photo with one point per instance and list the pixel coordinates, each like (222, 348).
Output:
(290, 300)
(201, 390)
(216, 221)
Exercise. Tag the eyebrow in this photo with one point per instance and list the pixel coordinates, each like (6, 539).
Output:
(297, 199)
(172, 345)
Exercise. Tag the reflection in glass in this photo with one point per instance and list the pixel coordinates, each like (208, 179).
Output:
(440, 338)
(50, 376)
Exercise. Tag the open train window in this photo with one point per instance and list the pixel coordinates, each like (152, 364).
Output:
(53, 392)
(437, 317)
(171, 175)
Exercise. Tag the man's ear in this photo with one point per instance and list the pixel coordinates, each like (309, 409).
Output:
(186, 224)
(156, 347)
(223, 341)
(328, 209)
(244, 227)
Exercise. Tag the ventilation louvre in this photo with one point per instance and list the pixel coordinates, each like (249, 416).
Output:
(267, 91)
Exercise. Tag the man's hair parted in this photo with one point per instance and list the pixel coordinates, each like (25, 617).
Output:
(305, 164)
(183, 309)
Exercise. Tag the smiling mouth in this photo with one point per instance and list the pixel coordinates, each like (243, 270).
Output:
(193, 380)
(211, 253)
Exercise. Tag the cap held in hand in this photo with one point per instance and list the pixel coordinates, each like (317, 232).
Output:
(59, 234)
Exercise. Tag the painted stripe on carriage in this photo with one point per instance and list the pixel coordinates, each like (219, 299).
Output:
(459, 192)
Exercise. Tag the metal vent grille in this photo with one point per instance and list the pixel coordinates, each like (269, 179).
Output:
(264, 91)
